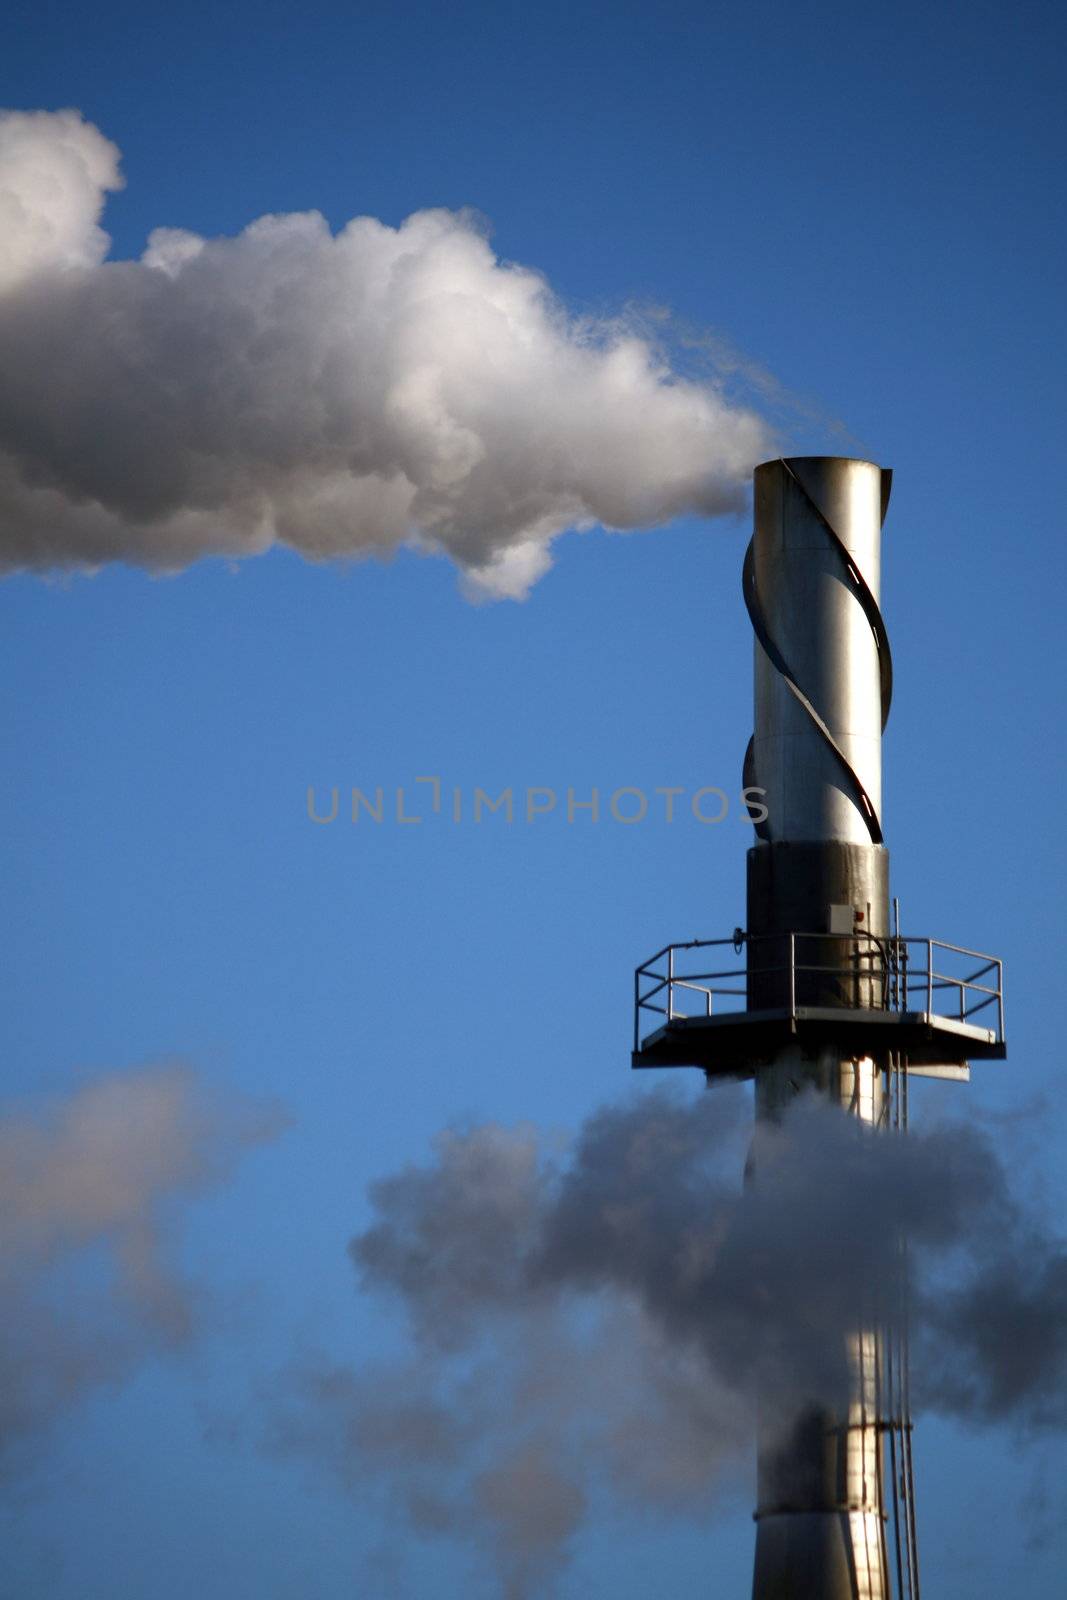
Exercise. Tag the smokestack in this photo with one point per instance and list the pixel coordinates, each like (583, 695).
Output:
(836, 1002)
(823, 678)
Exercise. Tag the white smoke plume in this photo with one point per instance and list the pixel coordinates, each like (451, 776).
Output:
(87, 1273)
(340, 394)
(604, 1324)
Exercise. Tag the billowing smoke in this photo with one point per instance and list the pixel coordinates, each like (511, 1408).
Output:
(86, 1270)
(340, 394)
(602, 1323)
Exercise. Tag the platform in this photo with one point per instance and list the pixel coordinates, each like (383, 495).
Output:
(736, 1044)
(936, 999)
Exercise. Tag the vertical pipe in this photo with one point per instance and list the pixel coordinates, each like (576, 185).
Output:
(822, 685)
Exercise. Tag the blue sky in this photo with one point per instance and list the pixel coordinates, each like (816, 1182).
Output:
(862, 203)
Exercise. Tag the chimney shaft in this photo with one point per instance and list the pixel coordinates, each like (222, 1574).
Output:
(822, 676)
(822, 684)
(836, 1003)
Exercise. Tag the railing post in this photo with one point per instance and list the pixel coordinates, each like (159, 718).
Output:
(670, 983)
(792, 976)
(637, 1009)
(929, 977)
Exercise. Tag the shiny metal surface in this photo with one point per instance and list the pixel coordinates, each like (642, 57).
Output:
(823, 680)
(821, 994)
(814, 516)
(820, 1515)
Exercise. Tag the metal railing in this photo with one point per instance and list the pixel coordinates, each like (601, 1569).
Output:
(893, 974)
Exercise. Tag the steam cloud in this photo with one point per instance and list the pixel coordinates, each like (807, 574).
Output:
(343, 395)
(88, 1285)
(609, 1320)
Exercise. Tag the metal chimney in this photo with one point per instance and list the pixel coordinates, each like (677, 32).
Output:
(835, 1000)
